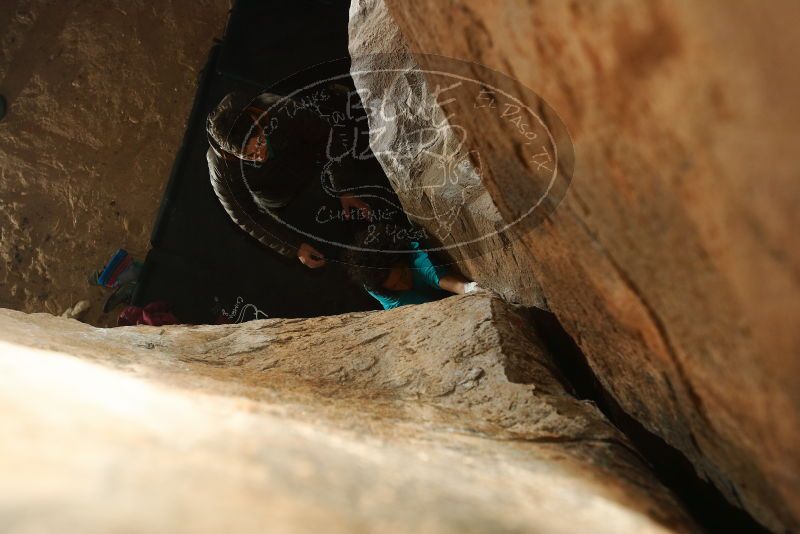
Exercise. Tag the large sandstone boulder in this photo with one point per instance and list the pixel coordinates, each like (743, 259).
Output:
(426, 160)
(672, 260)
(440, 417)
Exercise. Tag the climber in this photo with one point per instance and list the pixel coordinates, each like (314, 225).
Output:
(265, 153)
(397, 272)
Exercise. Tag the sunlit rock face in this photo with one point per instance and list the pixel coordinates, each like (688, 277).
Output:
(673, 259)
(440, 417)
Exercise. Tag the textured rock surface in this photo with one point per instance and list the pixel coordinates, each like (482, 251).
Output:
(441, 417)
(673, 260)
(425, 159)
(98, 96)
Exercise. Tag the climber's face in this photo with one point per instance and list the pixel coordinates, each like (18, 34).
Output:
(399, 279)
(256, 147)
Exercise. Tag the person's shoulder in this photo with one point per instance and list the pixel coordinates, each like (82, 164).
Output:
(215, 163)
(212, 156)
(219, 172)
(419, 256)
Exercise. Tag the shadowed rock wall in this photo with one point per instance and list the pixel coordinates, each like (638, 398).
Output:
(673, 260)
(98, 95)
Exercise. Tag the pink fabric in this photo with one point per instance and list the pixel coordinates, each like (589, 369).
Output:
(156, 313)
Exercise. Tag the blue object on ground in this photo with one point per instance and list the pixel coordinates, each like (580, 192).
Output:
(105, 276)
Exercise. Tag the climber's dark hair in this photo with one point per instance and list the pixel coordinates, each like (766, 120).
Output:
(371, 268)
(371, 278)
(229, 125)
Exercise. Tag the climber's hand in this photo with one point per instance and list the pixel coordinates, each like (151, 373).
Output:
(309, 256)
(350, 203)
(471, 287)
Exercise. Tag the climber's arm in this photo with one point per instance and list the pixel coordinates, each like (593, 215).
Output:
(453, 283)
